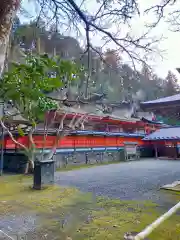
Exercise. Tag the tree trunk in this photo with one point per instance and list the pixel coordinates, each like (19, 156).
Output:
(29, 167)
(3, 47)
(8, 9)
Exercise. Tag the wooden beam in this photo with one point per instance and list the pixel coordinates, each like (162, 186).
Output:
(24, 122)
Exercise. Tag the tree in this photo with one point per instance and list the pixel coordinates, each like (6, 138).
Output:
(157, 87)
(80, 19)
(25, 86)
(107, 20)
(119, 81)
(112, 59)
(8, 10)
(171, 86)
(166, 10)
(129, 81)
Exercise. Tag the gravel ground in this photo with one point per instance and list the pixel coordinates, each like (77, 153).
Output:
(20, 224)
(138, 180)
(135, 180)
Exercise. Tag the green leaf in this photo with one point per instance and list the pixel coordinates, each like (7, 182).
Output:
(20, 131)
(27, 84)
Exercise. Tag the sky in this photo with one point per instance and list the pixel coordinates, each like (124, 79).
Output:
(171, 56)
(172, 52)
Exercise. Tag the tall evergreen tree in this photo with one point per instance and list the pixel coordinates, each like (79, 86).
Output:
(171, 86)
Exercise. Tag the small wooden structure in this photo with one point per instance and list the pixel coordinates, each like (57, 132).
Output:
(131, 151)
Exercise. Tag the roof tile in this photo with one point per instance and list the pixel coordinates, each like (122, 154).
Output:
(164, 133)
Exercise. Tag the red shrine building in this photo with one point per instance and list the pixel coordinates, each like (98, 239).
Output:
(103, 137)
(166, 141)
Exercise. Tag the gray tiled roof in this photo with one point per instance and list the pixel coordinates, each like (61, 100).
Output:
(163, 100)
(172, 133)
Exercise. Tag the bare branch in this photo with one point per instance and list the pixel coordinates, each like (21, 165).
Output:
(159, 11)
(71, 124)
(33, 145)
(60, 133)
(80, 121)
(12, 137)
(108, 16)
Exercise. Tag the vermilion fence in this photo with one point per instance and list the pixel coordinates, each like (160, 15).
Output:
(75, 141)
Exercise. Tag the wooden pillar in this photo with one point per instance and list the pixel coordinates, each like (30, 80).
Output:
(176, 150)
(156, 150)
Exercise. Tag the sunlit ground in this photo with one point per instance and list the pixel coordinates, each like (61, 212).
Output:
(66, 213)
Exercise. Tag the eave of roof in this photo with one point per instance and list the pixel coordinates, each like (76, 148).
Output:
(99, 118)
(53, 132)
(154, 122)
(168, 101)
(170, 133)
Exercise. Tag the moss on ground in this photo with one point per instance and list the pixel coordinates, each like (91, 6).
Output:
(66, 213)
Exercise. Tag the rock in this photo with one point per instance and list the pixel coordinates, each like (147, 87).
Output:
(115, 226)
(68, 238)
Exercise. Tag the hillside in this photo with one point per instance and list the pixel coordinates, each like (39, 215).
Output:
(113, 79)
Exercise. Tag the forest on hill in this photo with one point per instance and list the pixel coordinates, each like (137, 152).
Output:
(105, 71)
